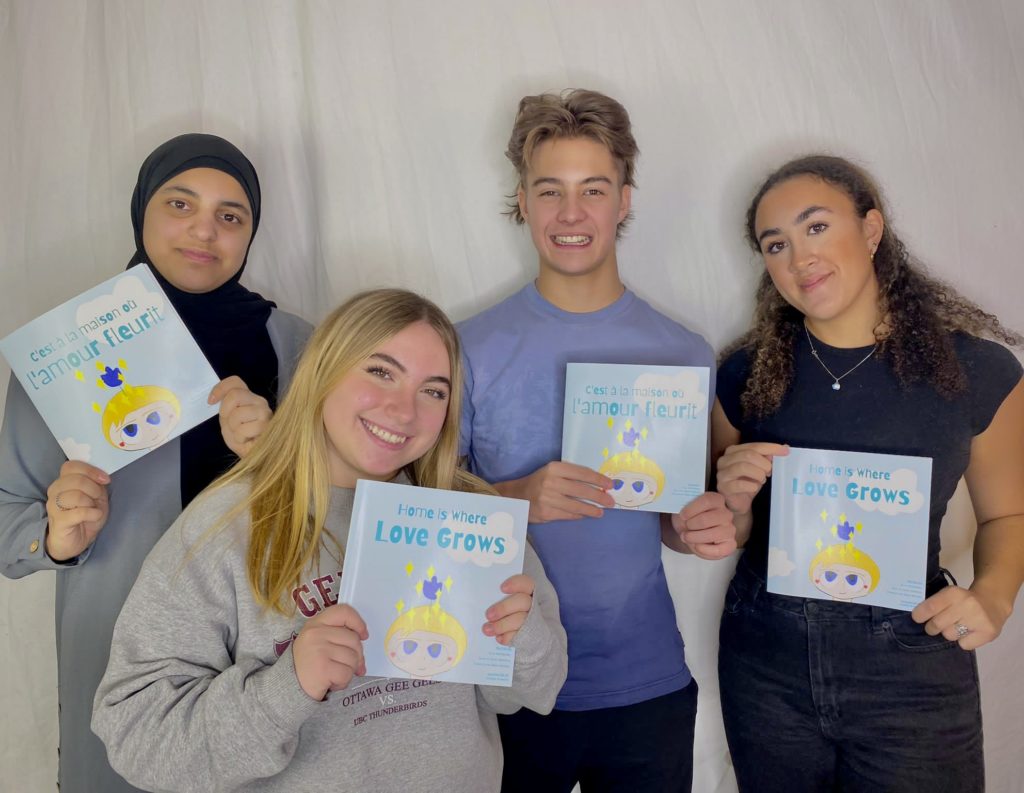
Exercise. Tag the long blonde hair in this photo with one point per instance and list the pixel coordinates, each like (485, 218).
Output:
(287, 470)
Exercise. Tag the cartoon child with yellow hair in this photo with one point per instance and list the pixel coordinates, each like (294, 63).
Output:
(637, 480)
(136, 417)
(426, 640)
(843, 572)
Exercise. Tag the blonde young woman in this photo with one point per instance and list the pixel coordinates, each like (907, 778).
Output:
(232, 641)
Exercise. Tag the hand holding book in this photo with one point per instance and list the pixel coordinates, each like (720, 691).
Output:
(561, 491)
(506, 617)
(76, 508)
(705, 526)
(243, 415)
(743, 470)
(328, 652)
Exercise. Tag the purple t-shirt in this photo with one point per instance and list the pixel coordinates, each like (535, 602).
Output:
(624, 644)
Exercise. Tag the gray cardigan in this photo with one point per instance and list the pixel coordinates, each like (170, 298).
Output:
(145, 498)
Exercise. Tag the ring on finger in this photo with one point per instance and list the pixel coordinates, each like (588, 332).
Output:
(961, 630)
(60, 506)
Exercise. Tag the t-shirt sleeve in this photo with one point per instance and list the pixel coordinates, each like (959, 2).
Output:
(992, 373)
(731, 381)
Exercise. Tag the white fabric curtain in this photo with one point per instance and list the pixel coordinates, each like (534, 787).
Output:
(378, 130)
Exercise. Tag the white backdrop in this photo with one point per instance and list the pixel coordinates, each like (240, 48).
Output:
(378, 129)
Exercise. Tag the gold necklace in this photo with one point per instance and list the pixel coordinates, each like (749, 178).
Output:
(835, 385)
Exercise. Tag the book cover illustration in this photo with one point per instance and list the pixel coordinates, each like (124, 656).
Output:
(644, 427)
(113, 372)
(422, 566)
(850, 526)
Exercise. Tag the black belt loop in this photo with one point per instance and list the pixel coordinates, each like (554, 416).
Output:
(940, 582)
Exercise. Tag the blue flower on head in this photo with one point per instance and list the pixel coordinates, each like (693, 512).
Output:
(111, 377)
(630, 437)
(844, 530)
(431, 588)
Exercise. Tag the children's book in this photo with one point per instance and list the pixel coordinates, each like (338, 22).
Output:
(422, 566)
(113, 372)
(850, 527)
(644, 427)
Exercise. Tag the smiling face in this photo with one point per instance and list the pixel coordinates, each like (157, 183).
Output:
(389, 409)
(422, 653)
(573, 200)
(817, 251)
(633, 490)
(197, 229)
(144, 428)
(842, 581)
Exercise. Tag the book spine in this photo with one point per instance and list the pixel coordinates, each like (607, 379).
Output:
(354, 546)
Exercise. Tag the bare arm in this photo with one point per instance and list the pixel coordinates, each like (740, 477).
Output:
(995, 479)
(741, 469)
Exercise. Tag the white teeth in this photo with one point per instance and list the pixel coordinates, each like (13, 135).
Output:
(384, 435)
(575, 239)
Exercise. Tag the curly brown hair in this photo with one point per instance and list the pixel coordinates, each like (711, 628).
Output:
(575, 113)
(919, 310)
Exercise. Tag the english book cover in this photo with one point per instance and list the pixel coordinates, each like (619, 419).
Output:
(644, 427)
(422, 566)
(850, 527)
(113, 372)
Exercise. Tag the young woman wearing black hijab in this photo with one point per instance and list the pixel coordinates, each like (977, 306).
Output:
(195, 209)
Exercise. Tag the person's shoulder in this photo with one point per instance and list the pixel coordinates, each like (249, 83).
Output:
(981, 355)
(736, 361)
(992, 372)
(675, 332)
(216, 510)
(499, 317)
(733, 373)
(513, 302)
(287, 323)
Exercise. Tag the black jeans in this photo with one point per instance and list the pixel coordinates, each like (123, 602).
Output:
(826, 696)
(642, 748)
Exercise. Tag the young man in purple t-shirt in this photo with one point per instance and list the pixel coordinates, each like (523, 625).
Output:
(625, 717)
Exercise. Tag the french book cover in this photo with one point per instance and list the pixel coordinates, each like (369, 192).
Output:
(644, 427)
(422, 566)
(113, 372)
(850, 527)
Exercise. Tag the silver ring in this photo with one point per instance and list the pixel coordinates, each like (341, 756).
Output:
(59, 505)
(961, 630)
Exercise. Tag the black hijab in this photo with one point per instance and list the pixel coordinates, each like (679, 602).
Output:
(230, 323)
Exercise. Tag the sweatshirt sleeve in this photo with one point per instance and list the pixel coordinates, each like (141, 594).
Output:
(30, 461)
(175, 709)
(541, 657)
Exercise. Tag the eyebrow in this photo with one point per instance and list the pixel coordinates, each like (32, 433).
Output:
(177, 188)
(552, 180)
(383, 356)
(796, 221)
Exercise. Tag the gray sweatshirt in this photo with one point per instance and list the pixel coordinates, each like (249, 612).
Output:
(201, 693)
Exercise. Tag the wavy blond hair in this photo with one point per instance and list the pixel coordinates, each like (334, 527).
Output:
(287, 471)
